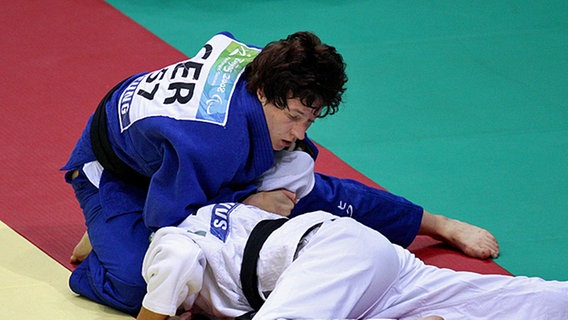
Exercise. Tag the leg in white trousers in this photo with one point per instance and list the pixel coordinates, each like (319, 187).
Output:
(423, 290)
(348, 271)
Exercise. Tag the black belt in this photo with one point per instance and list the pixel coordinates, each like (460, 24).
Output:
(102, 148)
(249, 277)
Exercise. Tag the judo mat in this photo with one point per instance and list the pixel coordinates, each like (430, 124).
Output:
(34, 286)
(59, 58)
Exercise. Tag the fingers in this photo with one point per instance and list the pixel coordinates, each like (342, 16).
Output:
(491, 244)
(487, 246)
(284, 202)
(289, 194)
(475, 242)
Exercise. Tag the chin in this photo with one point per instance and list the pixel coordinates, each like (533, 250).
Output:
(278, 147)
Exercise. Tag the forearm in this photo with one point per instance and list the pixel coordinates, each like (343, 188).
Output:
(430, 225)
(395, 217)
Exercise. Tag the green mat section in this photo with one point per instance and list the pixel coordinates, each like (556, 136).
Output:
(459, 106)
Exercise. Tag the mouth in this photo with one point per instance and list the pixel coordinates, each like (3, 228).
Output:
(285, 144)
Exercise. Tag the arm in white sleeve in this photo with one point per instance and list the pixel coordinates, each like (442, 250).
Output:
(292, 170)
(173, 269)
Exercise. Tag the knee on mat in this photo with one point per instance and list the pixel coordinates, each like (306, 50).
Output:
(127, 296)
(91, 281)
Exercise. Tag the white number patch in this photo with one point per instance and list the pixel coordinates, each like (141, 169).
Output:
(179, 90)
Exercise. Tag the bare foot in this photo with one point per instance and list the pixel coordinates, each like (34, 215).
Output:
(471, 240)
(82, 249)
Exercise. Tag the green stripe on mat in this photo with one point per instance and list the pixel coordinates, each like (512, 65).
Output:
(461, 107)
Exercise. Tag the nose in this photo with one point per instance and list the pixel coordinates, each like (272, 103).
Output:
(299, 131)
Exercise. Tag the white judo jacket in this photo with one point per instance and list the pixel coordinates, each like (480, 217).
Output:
(199, 261)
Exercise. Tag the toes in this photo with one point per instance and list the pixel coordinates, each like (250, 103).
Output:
(74, 260)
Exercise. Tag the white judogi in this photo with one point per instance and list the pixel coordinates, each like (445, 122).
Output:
(342, 270)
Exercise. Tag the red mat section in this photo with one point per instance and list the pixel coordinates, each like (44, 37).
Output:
(58, 59)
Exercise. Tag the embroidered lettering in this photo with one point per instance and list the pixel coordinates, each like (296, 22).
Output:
(344, 206)
(220, 214)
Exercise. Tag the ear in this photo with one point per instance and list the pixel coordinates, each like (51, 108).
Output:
(260, 96)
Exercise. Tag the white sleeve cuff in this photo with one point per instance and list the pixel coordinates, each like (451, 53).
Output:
(292, 170)
(173, 269)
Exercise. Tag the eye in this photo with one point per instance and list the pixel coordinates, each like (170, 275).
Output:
(292, 116)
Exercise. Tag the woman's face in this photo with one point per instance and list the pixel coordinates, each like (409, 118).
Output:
(289, 124)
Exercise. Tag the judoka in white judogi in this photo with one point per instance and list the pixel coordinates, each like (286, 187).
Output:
(339, 269)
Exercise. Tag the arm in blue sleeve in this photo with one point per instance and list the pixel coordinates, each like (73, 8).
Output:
(395, 217)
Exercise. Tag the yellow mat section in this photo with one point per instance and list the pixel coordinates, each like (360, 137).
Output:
(34, 286)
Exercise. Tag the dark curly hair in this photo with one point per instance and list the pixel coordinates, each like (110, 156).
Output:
(300, 66)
